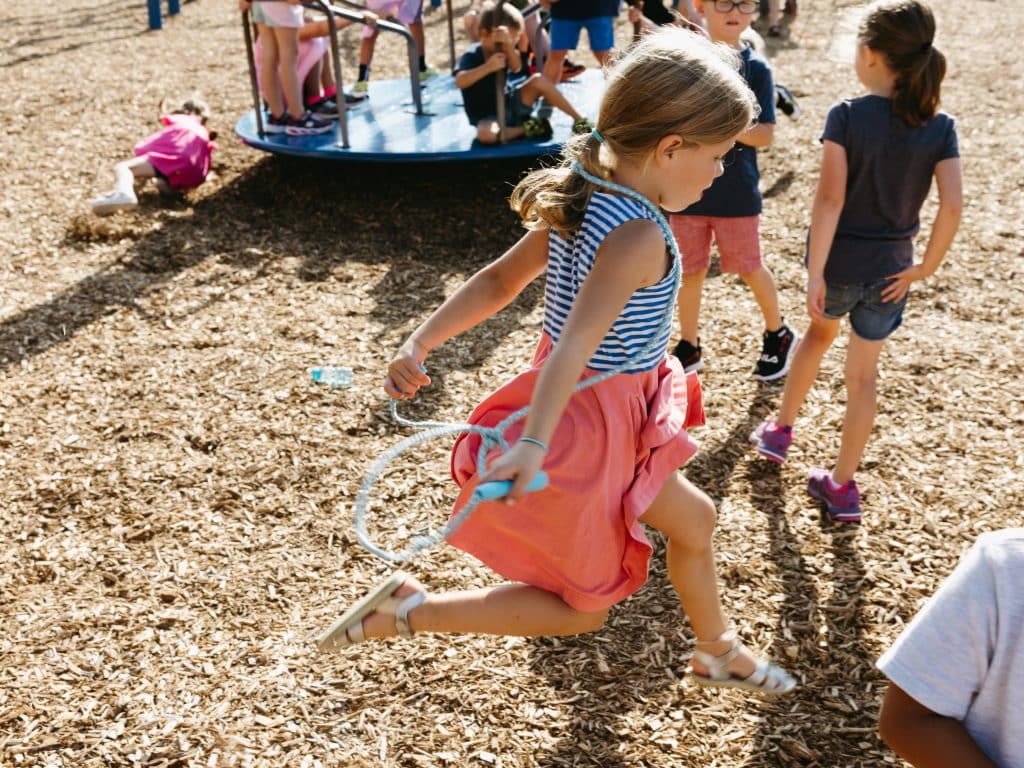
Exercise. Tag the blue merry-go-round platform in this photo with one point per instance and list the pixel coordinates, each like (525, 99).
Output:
(386, 129)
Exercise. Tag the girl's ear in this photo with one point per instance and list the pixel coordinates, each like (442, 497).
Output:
(668, 146)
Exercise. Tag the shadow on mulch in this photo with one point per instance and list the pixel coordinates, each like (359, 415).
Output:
(81, 28)
(285, 207)
(640, 656)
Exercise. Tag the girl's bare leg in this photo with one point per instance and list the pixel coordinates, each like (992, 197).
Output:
(288, 47)
(861, 398)
(509, 609)
(268, 69)
(804, 369)
(686, 516)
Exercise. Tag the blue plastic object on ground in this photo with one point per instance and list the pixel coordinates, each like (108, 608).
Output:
(335, 377)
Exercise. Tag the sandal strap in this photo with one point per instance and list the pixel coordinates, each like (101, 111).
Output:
(400, 607)
(402, 612)
(770, 677)
(717, 664)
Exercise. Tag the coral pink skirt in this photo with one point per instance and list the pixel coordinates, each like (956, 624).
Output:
(615, 445)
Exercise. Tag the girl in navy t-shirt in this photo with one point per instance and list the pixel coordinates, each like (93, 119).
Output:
(880, 154)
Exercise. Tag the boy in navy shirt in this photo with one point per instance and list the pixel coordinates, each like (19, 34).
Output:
(476, 74)
(730, 211)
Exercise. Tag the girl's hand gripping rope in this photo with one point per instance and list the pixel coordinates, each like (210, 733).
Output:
(498, 489)
(406, 372)
(521, 465)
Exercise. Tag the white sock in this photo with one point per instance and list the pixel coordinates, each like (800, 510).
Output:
(832, 483)
(124, 182)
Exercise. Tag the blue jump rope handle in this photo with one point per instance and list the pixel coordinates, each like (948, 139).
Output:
(498, 489)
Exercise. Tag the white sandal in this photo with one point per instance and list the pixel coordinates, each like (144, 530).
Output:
(766, 678)
(348, 630)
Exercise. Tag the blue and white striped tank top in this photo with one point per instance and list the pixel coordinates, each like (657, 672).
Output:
(570, 261)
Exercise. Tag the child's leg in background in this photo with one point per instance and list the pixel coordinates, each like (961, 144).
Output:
(538, 40)
(762, 284)
(739, 248)
(804, 369)
(686, 516)
(538, 85)
(366, 46)
(565, 35)
(410, 13)
(122, 197)
(693, 237)
(268, 69)
(509, 609)
(127, 172)
(312, 86)
(861, 373)
(601, 35)
(287, 39)
(688, 303)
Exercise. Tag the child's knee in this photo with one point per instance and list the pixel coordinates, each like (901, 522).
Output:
(695, 524)
(590, 622)
(860, 380)
(703, 518)
(487, 132)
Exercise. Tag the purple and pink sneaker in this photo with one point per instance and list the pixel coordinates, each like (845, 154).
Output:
(772, 441)
(842, 503)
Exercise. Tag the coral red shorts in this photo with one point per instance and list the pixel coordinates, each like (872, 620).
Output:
(738, 240)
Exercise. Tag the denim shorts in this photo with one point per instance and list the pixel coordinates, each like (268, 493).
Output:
(565, 33)
(871, 318)
(516, 111)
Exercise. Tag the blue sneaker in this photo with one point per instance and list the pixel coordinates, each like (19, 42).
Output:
(842, 503)
(772, 441)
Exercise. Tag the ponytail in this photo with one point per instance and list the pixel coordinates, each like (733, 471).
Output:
(916, 95)
(903, 31)
(558, 197)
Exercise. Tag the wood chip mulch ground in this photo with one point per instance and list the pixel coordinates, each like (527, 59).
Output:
(177, 497)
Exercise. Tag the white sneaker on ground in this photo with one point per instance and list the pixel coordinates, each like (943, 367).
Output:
(113, 202)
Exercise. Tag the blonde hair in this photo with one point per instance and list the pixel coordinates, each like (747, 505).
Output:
(671, 82)
(191, 105)
(491, 17)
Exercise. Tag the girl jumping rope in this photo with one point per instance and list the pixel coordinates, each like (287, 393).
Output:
(672, 108)
(880, 153)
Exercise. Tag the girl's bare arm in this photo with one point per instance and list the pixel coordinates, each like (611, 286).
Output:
(484, 294)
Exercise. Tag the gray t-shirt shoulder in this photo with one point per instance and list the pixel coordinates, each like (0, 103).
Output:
(890, 165)
(963, 654)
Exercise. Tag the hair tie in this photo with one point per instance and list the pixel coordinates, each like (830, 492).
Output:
(598, 136)
(926, 47)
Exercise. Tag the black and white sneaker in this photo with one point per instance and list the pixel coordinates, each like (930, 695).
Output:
(325, 109)
(776, 354)
(785, 101)
(275, 124)
(307, 125)
(689, 356)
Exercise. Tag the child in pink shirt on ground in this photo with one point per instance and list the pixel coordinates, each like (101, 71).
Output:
(178, 157)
